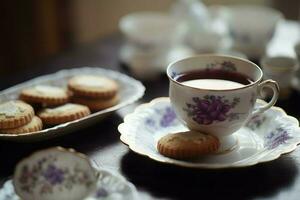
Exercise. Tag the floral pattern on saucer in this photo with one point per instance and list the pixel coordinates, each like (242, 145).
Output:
(264, 137)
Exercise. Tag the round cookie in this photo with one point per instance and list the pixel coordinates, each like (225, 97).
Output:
(45, 94)
(189, 144)
(34, 125)
(15, 114)
(96, 104)
(64, 113)
(93, 86)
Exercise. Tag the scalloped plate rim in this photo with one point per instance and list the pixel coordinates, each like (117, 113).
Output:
(140, 90)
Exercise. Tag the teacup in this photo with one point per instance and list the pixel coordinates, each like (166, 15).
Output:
(297, 51)
(216, 94)
(152, 29)
(252, 27)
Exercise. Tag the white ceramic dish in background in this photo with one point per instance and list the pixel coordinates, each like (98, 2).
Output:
(152, 28)
(252, 27)
(130, 91)
(150, 63)
(58, 175)
(296, 80)
(232, 53)
(264, 138)
(281, 69)
(205, 41)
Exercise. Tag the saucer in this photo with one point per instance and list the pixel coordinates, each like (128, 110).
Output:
(263, 138)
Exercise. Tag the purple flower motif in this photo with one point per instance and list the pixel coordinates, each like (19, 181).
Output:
(211, 108)
(101, 192)
(168, 117)
(54, 175)
(225, 65)
(277, 137)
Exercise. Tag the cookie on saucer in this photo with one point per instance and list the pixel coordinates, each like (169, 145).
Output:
(14, 114)
(187, 145)
(93, 86)
(45, 95)
(34, 125)
(63, 114)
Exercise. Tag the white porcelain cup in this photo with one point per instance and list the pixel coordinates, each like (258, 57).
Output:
(152, 29)
(281, 69)
(297, 50)
(252, 27)
(219, 112)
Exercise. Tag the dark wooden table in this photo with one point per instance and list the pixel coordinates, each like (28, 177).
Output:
(279, 179)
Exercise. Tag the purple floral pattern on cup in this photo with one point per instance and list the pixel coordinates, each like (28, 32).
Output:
(46, 174)
(276, 137)
(211, 109)
(225, 65)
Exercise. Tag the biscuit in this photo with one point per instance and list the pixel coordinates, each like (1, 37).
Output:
(34, 125)
(93, 86)
(96, 104)
(15, 114)
(187, 145)
(45, 95)
(64, 113)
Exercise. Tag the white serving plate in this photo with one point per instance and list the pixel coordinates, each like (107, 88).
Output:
(264, 138)
(130, 91)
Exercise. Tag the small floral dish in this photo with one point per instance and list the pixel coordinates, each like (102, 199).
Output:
(54, 173)
(263, 138)
(59, 174)
(130, 91)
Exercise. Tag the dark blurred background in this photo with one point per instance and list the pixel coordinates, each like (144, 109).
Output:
(33, 31)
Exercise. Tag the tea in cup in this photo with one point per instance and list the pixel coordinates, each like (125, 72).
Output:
(216, 94)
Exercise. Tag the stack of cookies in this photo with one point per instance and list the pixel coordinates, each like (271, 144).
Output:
(96, 92)
(55, 99)
(17, 117)
(53, 104)
(45, 95)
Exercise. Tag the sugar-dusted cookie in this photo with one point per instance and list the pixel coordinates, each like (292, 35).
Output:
(34, 125)
(93, 86)
(96, 104)
(14, 114)
(45, 95)
(190, 144)
(64, 113)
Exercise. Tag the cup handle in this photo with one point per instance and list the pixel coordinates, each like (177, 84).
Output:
(275, 88)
